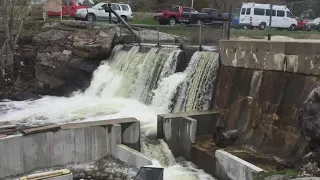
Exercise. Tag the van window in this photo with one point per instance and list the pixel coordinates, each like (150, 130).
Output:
(243, 11)
(248, 11)
(124, 7)
(115, 7)
(289, 14)
(268, 12)
(280, 13)
(258, 11)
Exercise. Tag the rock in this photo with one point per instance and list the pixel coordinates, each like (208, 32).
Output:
(117, 178)
(110, 177)
(309, 119)
(78, 24)
(275, 177)
(58, 36)
(118, 174)
(96, 46)
(52, 25)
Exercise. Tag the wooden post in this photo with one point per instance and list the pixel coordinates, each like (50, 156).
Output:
(229, 23)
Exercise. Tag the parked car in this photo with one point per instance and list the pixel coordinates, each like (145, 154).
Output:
(69, 7)
(98, 12)
(301, 24)
(205, 16)
(234, 19)
(313, 24)
(172, 16)
(258, 15)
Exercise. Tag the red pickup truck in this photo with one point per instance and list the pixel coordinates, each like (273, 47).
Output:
(172, 16)
(73, 6)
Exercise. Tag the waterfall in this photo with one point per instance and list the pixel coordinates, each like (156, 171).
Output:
(135, 82)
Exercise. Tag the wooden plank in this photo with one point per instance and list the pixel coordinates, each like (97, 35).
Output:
(8, 127)
(7, 131)
(40, 129)
(97, 123)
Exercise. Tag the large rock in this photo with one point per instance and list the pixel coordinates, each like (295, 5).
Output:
(96, 45)
(309, 118)
(57, 37)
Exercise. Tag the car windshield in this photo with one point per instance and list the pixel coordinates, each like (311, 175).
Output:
(97, 6)
(85, 2)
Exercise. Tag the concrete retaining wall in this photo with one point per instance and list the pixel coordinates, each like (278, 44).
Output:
(73, 143)
(21, 154)
(292, 56)
(231, 167)
(179, 130)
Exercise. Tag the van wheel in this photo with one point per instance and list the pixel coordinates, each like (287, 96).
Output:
(172, 21)
(292, 27)
(124, 18)
(91, 17)
(262, 26)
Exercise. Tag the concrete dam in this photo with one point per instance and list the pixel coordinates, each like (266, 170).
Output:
(151, 106)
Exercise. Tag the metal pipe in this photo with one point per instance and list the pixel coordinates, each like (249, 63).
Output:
(229, 23)
(110, 10)
(158, 35)
(200, 37)
(269, 30)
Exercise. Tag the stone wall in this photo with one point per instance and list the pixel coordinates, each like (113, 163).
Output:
(261, 89)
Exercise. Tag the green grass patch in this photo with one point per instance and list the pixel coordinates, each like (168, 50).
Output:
(146, 21)
(288, 174)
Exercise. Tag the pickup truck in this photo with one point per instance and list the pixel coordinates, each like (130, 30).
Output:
(172, 16)
(205, 16)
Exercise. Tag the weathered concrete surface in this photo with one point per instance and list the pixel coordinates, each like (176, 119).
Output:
(229, 166)
(179, 134)
(264, 107)
(131, 156)
(206, 116)
(297, 57)
(131, 135)
(21, 154)
(73, 143)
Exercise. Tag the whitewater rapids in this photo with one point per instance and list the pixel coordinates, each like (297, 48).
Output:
(131, 84)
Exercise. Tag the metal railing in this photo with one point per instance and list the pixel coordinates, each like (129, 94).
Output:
(194, 34)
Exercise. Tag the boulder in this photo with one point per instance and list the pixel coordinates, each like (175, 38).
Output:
(94, 45)
(57, 37)
(309, 119)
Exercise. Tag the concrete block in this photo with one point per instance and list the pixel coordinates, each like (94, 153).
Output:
(179, 134)
(131, 156)
(114, 137)
(21, 154)
(231, 167)
(291, 56)
(206, 122)
(130, 135)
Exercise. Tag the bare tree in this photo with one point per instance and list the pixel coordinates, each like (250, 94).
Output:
(12, 14)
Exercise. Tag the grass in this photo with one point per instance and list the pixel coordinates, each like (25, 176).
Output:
(288, 174)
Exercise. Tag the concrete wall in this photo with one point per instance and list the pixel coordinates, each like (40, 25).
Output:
(179, 134)
(179, 130)
(21, 154)
(292, 56)
(73, 143)
(231, 167)
(131, 156)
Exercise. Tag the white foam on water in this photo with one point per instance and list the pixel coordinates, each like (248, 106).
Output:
(120, 88)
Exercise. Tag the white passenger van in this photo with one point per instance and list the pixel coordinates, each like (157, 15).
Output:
(258, 15)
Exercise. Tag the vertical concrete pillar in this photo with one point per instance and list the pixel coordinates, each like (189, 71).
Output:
(114, 137)
(131, 135)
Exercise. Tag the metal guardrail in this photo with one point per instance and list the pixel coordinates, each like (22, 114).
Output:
(195, 34)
